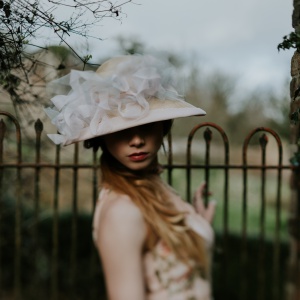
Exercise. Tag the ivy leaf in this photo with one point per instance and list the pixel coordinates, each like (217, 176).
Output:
(290, 41)
(295, 160)
(295, 117)
(87, 58)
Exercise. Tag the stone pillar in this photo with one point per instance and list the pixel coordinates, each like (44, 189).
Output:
(293, 286)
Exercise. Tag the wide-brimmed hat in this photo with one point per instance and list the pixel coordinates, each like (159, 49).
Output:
(124, 92)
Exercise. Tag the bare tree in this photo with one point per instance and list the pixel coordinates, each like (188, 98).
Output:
(30, 25)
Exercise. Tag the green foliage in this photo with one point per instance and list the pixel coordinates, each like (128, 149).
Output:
(87, 58)
(60, 51)
(290, 41)
(295, 159)
(85, 281)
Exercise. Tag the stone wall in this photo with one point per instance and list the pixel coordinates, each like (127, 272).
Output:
(293, 286)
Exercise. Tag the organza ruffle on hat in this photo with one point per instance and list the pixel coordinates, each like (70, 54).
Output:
(86, 101)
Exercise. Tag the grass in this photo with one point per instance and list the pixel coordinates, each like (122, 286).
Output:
(258, 218)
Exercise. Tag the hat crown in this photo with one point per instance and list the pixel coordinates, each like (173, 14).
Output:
(125, 91)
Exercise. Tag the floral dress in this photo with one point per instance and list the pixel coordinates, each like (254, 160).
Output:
(166, 277)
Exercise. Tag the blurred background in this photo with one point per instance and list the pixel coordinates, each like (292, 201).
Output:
(227, 60)
(226, 53)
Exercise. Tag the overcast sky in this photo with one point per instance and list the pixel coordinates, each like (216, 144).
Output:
(237, 37)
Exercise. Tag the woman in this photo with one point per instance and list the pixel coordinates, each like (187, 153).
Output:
(152, 244)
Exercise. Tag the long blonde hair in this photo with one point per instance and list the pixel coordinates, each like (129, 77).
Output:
(150, 195)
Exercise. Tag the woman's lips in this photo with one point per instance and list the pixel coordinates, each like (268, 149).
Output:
(138, 156)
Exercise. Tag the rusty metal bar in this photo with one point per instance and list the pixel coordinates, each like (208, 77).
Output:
(95, 179)
(207, 137)
(261, 271)
(244, 252)
(261, 257)
(277, 239)
(170, 159)
(2, 134)
(276, 293)
(73, 269)
(18, 211)
(207, 167)
(38, 126)
(18, 214)
(55, 232)
(94, 262)
(174, 166)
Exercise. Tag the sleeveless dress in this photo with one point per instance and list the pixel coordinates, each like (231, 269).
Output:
(166, 277)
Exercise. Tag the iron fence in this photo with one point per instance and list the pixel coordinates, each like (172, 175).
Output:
(46, 207)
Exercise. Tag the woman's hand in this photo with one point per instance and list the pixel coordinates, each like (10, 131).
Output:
(207, 212)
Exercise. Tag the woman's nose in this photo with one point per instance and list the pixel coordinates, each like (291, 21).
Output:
(136, 139)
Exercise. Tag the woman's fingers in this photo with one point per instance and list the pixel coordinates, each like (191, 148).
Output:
(207, 212)
(210, 211)
(198, 199)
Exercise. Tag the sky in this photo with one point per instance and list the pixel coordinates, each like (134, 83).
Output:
(235, 37)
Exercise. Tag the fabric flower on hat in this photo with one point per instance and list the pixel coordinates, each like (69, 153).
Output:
(88, 104)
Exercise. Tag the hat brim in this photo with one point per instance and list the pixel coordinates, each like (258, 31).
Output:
(160, 110)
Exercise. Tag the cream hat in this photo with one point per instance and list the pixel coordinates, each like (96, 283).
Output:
(124, 92)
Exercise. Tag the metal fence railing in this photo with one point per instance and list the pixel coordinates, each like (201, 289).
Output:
(46, 207)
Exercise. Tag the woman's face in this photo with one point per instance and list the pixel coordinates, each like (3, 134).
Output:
(136, 148)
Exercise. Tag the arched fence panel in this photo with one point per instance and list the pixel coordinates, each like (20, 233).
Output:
(48, 194)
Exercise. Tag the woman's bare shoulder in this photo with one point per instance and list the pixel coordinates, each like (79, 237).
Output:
(120, 205)
(121, 218)
(120, 239)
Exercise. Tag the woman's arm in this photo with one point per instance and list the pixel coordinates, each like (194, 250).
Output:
(121, 235)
